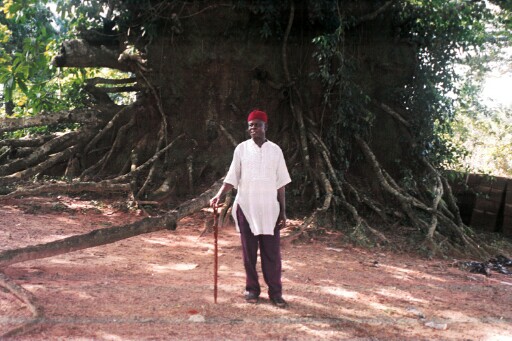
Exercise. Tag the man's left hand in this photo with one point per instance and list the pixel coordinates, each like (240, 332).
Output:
(281, 221)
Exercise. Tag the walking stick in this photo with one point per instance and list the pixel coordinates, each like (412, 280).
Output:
(215, 251)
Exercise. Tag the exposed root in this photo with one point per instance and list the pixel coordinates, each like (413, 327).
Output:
(226, 208)
(363, 234)
(451, 202)
(437, 216)
(153, 171)
(296, 109)
(112, 123)
(51, 161)
(396, 115)
(29, 300)
(138, 169)
(87, 117)
(365, 200)
(118, 143)
(116, 185)
(32, 142)
(438, 194)
(165, 125)
(390, 186)
(70, 188)
(309, 221)
(230, 137)
(41, 153)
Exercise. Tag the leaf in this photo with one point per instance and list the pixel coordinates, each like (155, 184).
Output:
(8, 89)
(23, 86)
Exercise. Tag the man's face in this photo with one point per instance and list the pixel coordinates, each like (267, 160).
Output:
(257, 128)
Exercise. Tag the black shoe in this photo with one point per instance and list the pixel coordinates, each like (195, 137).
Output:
(279, 302)
(251, 297)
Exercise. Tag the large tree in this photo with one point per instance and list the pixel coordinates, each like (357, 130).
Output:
(357, 93)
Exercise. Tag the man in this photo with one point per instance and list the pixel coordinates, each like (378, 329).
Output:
(258, 172)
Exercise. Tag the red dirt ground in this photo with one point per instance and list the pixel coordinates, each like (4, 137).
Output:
(159, 286)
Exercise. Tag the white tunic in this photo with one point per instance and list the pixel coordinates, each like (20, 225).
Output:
(257, 173)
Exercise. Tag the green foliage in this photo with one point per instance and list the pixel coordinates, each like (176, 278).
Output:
(473, 120)
(343, 98)
(479, 135)
(269, 14)
(23, 59)
(29, 43)
(30, 37)
(442, 29)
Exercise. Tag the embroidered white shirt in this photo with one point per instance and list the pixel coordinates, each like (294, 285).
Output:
(257, 173)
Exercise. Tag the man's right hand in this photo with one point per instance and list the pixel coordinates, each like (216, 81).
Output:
(214, 202)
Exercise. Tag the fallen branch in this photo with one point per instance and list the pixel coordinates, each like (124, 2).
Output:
(108, 235)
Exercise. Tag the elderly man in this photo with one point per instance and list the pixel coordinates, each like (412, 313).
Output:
(258, 172)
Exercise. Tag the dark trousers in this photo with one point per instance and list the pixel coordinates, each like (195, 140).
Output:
(270, 254)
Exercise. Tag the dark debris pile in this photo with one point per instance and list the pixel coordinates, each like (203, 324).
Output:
(499, 264)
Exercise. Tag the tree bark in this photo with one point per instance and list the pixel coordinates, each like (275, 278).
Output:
(79, 53)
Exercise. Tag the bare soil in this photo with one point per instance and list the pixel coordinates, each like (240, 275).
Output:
(159, 286)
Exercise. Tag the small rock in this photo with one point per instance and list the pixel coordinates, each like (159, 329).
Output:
(435, 325)
(197, 318)
(416, 312)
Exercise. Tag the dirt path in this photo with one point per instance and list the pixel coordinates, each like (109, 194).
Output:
(160, 286)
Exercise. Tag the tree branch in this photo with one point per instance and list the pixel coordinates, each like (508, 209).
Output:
(374, 14)
(82, 116)
(79, 53)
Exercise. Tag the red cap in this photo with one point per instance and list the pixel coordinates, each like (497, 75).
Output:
(257, 115)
